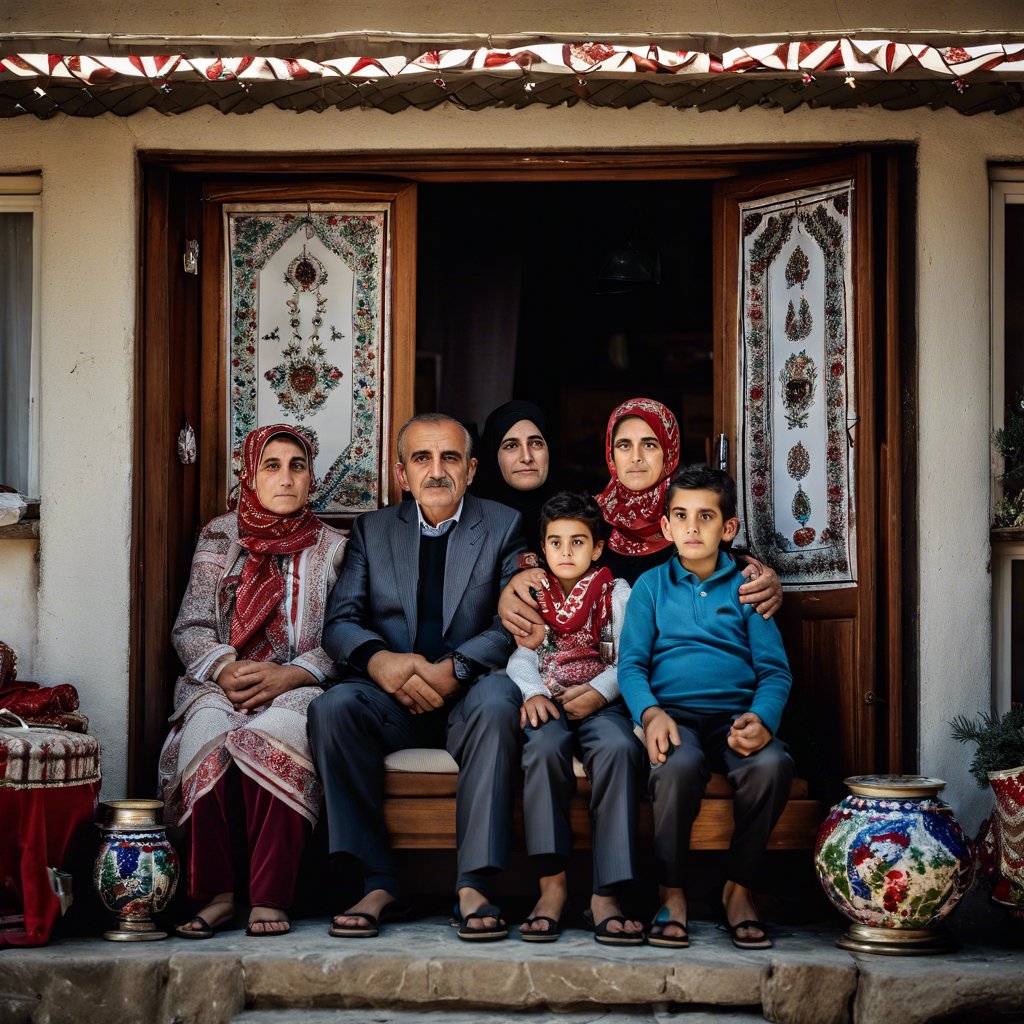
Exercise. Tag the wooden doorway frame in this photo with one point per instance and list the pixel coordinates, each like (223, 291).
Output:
(168, 330)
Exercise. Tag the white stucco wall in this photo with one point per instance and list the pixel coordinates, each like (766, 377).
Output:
(90, 212)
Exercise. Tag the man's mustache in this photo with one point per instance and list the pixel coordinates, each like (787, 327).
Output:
(439, 482)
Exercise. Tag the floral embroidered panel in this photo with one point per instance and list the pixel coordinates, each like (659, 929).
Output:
(797, 398)
(308, 338)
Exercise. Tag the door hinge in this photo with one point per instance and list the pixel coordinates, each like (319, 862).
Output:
(190, 259)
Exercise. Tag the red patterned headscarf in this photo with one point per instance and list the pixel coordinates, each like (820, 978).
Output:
(635, 516)
(259, 599)
(568, 613)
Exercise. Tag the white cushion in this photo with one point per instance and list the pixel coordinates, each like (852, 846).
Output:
(432, 761)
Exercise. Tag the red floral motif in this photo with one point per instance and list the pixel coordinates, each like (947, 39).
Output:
(756, 393)
(837, 368)
(759, 490)
(804, 536)
(895, 890)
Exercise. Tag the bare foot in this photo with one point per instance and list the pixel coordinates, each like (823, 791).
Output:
(674, 901)
(553, 896)
(220, 909)
(470, 901)
(372, 903)
(739, 906)
(268, 921)
(603, 907)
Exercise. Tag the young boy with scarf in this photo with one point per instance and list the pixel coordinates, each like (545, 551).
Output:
(566, 672)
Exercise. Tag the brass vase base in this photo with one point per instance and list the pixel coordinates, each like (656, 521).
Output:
(861, 938)
(134, 931)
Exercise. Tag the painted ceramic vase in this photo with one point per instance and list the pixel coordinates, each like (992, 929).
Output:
(136, 868)
(1007, 839)
(895, 861)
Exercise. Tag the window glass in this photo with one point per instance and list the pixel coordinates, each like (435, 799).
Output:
(16, 288)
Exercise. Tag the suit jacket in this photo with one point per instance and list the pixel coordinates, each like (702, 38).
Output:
(375, 597)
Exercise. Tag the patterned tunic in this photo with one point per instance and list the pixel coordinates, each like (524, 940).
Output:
(207, 733)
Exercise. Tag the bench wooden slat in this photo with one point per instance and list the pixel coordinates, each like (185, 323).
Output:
(421, 784)
(428, 823)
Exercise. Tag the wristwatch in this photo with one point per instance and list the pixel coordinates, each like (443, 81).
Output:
(464, 669)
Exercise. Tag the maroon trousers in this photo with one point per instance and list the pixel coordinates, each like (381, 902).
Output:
(275, 836)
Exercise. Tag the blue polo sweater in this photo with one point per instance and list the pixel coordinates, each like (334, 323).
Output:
(690, 645)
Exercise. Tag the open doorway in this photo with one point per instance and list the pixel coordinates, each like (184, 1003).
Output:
(574, 280)
(591, 292)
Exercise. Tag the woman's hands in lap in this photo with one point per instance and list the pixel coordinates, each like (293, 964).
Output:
(251, 685)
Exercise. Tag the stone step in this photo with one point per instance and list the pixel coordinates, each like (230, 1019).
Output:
(665, 1016)
(418, 969)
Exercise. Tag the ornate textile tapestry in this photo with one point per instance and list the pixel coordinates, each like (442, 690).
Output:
(796, 399)
(308, 311)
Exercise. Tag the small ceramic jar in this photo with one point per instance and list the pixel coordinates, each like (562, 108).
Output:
(136, 868)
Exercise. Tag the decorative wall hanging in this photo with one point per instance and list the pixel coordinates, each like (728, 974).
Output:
(796, 400)
(308, 311)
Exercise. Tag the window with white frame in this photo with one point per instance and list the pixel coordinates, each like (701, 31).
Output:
(1007, 414)
(20, 204)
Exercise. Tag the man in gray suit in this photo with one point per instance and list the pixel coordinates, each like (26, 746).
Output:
(414, 617)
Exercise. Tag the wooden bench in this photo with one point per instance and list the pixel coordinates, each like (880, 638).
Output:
(419, 806)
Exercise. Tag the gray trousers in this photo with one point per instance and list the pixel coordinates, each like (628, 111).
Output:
(761, 782)
(613, 759)
(355, 725)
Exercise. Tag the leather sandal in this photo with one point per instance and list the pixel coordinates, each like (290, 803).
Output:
(762, 943)
(396, 910)
(469, 934)
(207, 930)
(656, 932)
(267, 933)
(552, 934)
(606, 938)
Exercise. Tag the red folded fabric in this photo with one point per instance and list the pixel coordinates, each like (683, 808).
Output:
(39, 703)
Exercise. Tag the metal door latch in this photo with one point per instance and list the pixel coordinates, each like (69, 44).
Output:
(191, 257)
(187, 444)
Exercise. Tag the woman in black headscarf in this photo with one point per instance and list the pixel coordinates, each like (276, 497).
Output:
(514, 462)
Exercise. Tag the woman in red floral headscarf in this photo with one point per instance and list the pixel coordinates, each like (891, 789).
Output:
(248, 634)
(642, 452)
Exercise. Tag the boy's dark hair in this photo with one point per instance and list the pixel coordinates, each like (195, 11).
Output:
(701, 477)
(570, 505)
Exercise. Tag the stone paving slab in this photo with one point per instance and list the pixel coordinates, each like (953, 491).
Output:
(422, 965)
(363, 1016)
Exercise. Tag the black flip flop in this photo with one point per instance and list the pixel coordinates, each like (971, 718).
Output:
(206, 932)
(396, 910)
(469, 934)
(607, 938)
(551, 935)
(656, 932)
(267, 935)
(762, 943)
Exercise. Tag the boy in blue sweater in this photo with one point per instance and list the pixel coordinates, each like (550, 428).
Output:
(707, 678)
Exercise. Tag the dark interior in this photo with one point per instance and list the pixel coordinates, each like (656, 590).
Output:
(575, 295)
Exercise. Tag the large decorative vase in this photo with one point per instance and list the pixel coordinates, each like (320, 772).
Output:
(136, 868)
(1007, 832)
(895, 861)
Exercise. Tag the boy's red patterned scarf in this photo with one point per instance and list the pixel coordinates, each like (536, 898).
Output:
(258, 621)
(575, 620)
(635, 516)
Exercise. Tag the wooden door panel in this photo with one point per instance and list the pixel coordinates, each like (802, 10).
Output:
(837, 717)
(181, 374)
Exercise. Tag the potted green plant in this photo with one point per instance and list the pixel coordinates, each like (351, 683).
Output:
(998, 763)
